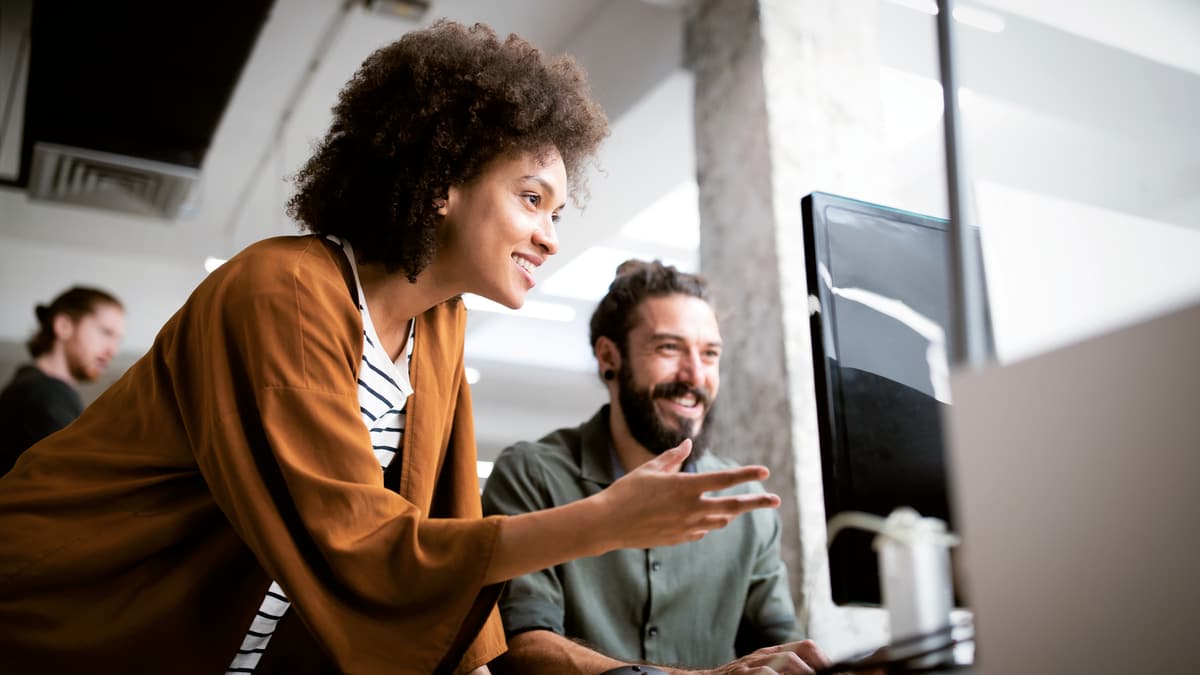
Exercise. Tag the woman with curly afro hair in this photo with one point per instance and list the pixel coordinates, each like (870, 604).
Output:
(287, 482)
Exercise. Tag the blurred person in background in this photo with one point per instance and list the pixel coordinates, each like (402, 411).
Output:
(77, 337)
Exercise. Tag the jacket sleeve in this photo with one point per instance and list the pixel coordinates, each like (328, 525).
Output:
(531, 601)
(268, 371)
(486, 642)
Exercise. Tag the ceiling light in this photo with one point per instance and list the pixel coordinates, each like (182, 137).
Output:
(472, 374)
(532, 309)
(211, 263)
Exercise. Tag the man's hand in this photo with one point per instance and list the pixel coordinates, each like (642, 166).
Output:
(794, 658)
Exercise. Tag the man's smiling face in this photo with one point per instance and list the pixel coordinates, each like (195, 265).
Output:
(669, 375)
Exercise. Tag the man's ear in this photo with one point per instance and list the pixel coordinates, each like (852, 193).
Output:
(64, 327)
(608, 357)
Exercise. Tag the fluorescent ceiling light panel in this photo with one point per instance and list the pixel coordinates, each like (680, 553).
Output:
(472, 374)
(532, 309)
(211, 263)
(672, 220)
(587, 276)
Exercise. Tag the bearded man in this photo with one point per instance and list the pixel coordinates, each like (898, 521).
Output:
(77, 336)
(719, 604)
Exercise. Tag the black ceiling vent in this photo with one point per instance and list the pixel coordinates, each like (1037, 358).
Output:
(125, 97)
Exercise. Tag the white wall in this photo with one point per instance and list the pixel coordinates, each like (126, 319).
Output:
(150, 287)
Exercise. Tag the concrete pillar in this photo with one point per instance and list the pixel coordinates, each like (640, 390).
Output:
(787, 102)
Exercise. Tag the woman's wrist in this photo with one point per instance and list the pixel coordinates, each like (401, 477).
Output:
(598, 524)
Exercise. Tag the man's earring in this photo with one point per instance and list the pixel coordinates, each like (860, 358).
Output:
(609, 374)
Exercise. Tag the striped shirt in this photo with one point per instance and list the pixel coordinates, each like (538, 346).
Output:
(383, 391)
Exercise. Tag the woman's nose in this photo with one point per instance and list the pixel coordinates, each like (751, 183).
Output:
(546, 238)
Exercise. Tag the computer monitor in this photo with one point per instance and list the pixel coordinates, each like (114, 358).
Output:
(880, 316)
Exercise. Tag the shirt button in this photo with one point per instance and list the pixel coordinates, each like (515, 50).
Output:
(655, 566)
(653, 632)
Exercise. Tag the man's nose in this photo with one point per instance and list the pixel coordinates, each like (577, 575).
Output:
(689, 368)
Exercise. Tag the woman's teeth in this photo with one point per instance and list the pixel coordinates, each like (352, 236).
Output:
(523, 264)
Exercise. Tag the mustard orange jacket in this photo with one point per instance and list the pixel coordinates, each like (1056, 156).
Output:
(142, 537)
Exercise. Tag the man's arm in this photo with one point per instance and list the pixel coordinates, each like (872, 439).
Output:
(543, 652)
(769, 615)
(538, 652)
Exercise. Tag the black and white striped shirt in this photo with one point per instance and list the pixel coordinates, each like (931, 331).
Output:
(383, 390)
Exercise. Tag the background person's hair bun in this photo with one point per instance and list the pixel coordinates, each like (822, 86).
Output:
(630, 266)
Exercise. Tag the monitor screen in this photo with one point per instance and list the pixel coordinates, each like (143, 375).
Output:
(880, 317)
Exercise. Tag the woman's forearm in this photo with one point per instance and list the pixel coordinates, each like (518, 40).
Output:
(533, 541)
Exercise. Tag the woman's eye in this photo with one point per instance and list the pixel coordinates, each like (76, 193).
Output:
(533, 199)
(554, 217)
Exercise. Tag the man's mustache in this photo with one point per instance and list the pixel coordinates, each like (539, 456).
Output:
(676, 389)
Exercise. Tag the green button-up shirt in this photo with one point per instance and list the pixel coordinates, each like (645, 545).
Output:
(698, 604)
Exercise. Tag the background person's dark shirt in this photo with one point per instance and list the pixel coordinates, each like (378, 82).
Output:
(33, 406)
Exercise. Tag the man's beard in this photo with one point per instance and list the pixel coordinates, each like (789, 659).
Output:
(79, 367)
(643, 419)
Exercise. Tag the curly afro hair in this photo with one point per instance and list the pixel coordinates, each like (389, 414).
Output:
(428, 112)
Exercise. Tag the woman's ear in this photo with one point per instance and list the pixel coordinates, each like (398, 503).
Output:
(445, 204)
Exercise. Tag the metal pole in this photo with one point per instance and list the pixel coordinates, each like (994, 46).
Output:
(968, 339)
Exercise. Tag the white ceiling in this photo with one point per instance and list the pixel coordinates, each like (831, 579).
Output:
(536, 374)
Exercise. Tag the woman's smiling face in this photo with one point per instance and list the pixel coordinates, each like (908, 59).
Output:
(500, 227)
